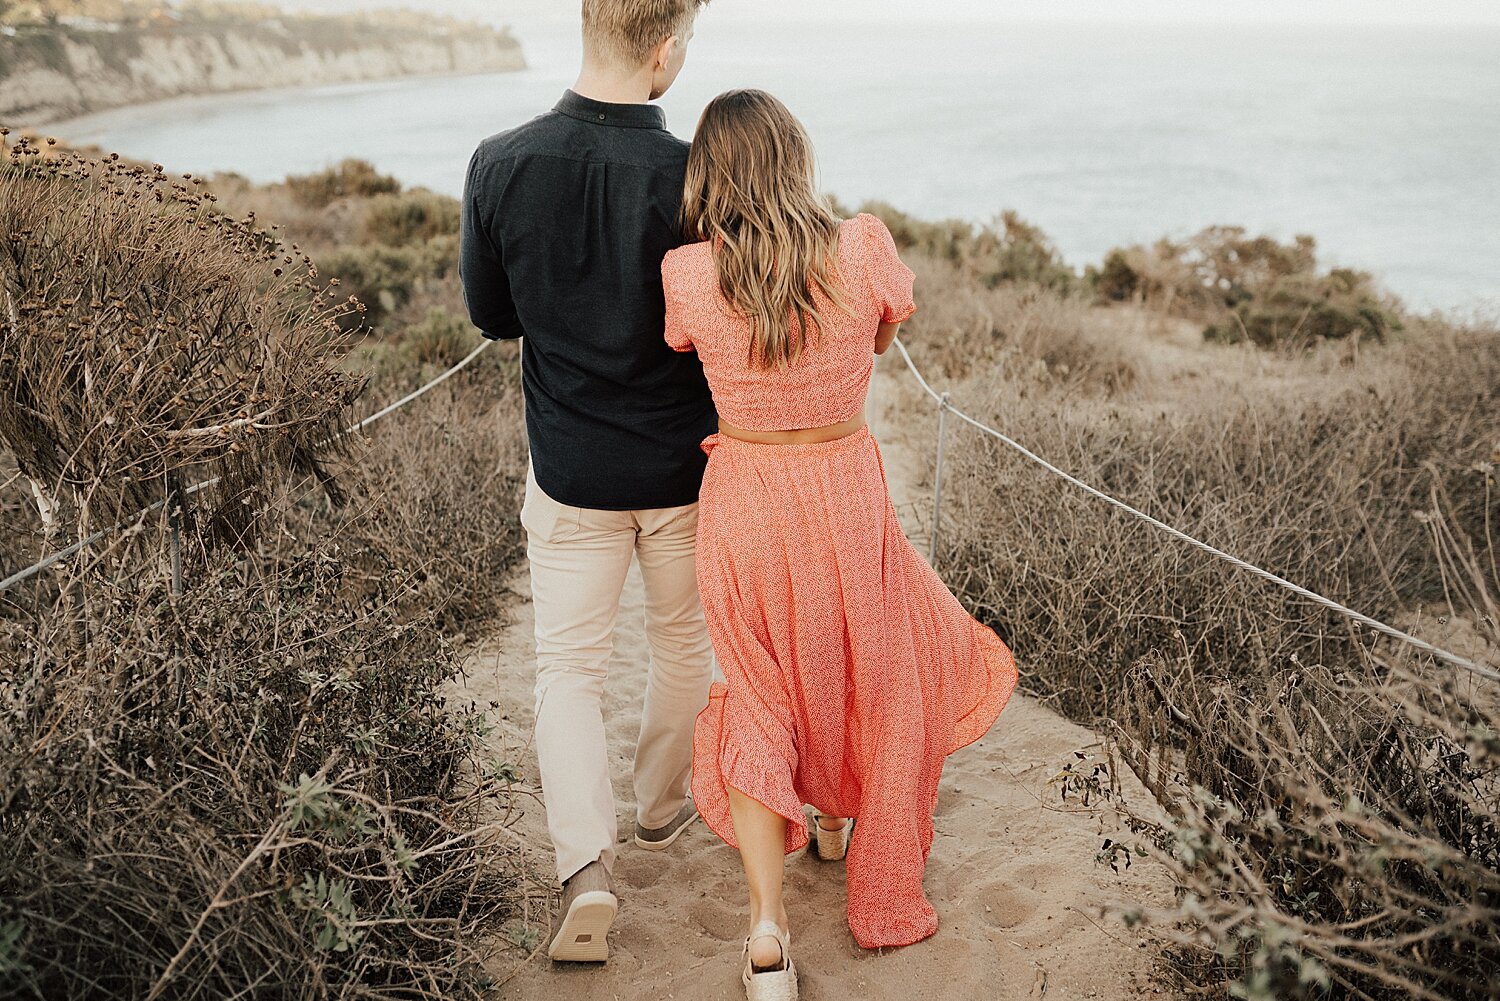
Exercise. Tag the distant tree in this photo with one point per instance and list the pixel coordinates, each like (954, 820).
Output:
(1008, 249)
(1249, 288)
(1117, 281)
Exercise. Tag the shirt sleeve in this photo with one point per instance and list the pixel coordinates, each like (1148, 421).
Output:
(481, 267)
(679, 328)
(891, 282)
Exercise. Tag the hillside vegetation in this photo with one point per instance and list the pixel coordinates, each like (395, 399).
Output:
(1332, 795)
(253, 780)
(250, 780)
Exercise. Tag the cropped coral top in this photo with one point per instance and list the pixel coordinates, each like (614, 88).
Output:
(828, 381)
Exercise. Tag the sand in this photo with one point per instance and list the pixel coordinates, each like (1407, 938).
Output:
(1025, 909)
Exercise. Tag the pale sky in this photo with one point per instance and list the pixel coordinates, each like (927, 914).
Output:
(1437, 12)
(1352, 11)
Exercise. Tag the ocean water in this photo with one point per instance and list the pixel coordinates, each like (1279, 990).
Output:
(1383, 143)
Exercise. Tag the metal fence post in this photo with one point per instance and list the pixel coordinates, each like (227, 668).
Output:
(174, 525)
(937, 479)
(174, 520)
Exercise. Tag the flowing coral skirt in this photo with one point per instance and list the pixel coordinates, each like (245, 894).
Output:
(852, 672)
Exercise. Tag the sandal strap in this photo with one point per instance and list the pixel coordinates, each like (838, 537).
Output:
(773, 930)
(770, 929)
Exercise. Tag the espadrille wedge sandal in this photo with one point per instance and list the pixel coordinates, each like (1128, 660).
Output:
(771, 985)
(831, 846)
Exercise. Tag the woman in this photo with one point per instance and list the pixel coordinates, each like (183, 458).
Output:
(851, 671)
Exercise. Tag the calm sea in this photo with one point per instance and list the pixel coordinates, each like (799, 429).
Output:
(1383, 143)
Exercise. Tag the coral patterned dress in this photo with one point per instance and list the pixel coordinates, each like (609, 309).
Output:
(852, 672)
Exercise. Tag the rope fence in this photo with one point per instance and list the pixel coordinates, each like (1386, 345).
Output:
(139, 517)
(945, 408)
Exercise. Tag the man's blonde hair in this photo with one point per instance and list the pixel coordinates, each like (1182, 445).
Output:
(630, 29)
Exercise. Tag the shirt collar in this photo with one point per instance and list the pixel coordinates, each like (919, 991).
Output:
(627, 116)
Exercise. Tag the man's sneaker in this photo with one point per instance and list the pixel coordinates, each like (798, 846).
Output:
(662, 837)
(588, 909)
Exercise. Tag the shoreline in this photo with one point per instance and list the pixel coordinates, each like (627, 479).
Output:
(54, 77)
(61, 128)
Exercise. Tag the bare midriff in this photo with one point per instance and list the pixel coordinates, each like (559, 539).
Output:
(801, 436)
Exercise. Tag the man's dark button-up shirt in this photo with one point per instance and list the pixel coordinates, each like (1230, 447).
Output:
(566, 220)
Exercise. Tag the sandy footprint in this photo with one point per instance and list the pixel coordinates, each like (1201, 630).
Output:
(1004, 905)
(721, 921)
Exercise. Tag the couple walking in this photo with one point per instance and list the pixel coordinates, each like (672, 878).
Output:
(698, 334)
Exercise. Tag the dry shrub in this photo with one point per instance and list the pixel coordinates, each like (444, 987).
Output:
(256, 787)
(15, 510)
(314, 227)
(397, 253)
(1322, 489)
(384, 279)
(1218, 267)
(350, 179)
(331, 661)
(1017, 330)
(440, 485)
(439, 489)
(1008, 249)
(1334, 830)
(407, 251)
(1249, 289)
(409, 217)
(439, 339)
(148, 342)
(1333, 800)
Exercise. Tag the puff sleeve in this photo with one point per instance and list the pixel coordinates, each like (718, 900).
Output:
(678, 327)
(890, 280)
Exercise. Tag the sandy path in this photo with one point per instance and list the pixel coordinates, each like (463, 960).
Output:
(1021, 900)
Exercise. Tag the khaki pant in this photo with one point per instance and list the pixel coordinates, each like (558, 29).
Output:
(579, 558)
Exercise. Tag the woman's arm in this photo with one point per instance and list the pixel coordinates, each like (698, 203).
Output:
(890, 281)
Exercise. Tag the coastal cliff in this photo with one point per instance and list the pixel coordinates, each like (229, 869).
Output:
(48, 74)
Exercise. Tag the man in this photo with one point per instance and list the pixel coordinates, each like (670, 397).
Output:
(566, 220)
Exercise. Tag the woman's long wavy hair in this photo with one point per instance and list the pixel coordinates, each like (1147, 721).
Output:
(751, 192)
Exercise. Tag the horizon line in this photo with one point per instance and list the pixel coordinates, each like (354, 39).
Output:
(1113, 20)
